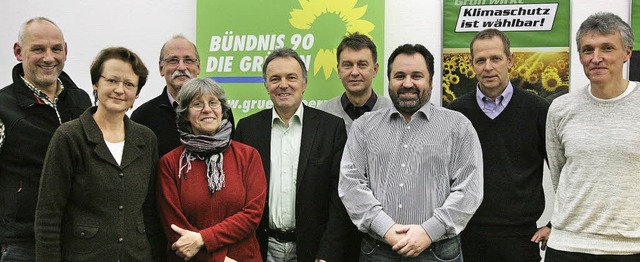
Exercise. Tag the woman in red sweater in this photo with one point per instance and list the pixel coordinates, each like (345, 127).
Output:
(211, 190)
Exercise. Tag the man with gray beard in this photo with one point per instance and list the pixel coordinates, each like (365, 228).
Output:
(179, 62)
(411, 174)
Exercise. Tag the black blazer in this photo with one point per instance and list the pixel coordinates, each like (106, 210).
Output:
(158, 115)
(322, 224)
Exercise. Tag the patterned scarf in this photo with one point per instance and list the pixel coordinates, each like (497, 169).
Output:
(208, 148)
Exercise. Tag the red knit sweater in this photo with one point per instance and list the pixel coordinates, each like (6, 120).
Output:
(226, 219)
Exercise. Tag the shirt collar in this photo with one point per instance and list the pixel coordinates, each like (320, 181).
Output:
(425, 111)
(171, 99)
(297, 116)
(38, 93)
(371, 102)
(503, 98)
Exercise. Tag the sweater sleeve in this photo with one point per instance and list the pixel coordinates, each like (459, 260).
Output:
(242, 224)
(55, 187)
(555, 149)
(168, 198)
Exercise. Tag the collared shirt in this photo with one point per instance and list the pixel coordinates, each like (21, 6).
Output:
(285, 153)
(493, 108)
(426, 172)
(172, 101)
(42, 98)
(356, 111)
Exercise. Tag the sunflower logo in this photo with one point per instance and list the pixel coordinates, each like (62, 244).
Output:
(341, 15)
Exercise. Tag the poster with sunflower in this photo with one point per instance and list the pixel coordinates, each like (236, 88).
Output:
(235, 37)
(540, 41)
(634, 64)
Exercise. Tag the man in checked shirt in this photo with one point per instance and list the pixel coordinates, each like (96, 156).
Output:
(40, 98)
(411, 175)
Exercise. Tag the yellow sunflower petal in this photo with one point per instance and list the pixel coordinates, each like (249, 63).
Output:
(301, 19)
(362, 26)
(325, 60)
(353, 14)
(340, 6)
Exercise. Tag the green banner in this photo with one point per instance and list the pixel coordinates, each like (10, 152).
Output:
(634, 63)
(539, 32)
(234, 38)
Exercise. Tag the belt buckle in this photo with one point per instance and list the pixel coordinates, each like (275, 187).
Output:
(281, 235)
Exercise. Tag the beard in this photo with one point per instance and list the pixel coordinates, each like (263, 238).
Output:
(412, 105)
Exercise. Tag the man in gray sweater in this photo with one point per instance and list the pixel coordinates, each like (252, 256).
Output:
(357, 66)
(593, 136)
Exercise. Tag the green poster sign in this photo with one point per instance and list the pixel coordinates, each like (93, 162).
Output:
(635, 23)
(634, 63)
(235, 37)
(539, 32)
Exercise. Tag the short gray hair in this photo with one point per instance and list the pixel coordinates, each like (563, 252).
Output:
(178, 37)
(23, 28)
(195, 88)
(606, 23)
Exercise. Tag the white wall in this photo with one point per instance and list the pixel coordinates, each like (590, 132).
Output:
(144, 25)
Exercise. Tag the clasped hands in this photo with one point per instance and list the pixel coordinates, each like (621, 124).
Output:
(408, 240)
(189, 244)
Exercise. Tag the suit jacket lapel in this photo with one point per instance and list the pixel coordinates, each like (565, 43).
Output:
(309, 130)
(264, 140)
(94, 135)
(133, 144)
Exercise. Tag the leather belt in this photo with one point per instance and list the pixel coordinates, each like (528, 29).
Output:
(282, 235)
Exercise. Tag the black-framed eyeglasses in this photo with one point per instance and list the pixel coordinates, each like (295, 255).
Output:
(176, 60)
(213, 104)
(115, 82)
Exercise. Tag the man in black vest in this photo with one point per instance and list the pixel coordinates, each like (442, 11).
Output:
(40, 98)
(510, 123)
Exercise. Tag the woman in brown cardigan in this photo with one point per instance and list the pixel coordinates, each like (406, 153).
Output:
(96, 200)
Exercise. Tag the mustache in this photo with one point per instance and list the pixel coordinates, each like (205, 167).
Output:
(408, 90)
(179, 73)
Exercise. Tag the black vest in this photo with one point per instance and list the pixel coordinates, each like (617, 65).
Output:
(29, 126)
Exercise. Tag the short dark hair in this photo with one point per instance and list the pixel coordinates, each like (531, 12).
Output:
(193, 89)
(123, 54)
(357, 41)
(606, 23)
(409, 49)
(283, 53)
(490, 33)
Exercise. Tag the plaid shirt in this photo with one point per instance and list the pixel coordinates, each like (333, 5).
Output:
(42, 98)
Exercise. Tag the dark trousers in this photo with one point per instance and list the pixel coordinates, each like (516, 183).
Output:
(564, 256)
(444, 250)
(480, 246)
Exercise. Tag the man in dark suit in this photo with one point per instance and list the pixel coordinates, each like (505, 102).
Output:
(301, 148)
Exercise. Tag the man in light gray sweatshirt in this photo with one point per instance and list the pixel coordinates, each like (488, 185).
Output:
(593, 141)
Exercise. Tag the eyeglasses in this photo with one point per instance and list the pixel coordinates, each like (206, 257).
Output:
(176, 61)
(213, 104)
(115, 82)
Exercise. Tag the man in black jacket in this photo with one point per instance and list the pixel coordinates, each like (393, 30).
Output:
(179, 62)
(301, 147)
(40, 98)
